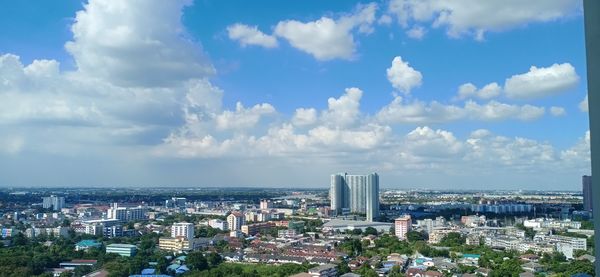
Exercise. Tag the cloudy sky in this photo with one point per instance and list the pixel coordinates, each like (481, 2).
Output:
(434, 94)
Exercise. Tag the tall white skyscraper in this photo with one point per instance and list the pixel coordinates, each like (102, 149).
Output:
(357, 193)
(182, 229)
(586, 182)
(53, 202)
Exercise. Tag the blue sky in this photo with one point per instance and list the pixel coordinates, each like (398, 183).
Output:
(146, 92)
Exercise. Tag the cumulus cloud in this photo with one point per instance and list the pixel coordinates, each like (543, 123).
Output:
(402, 76)
(328, 38)
(243, 118)
(129, 44)
(557, 111)
(250, 35)
(475, 18)
(416, 32)
(345, 110)
(400, 112)
(468, 90)
(304, 116)
(583, 105)
(541, 82)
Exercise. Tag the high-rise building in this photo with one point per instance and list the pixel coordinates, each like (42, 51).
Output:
(402, 225)
(586, 182)
(266, 204)
(235, 221)
(126, 213)
(356, 193)
(53, 202)
(182, 229)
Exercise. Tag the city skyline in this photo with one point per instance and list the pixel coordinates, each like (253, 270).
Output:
(94, 95)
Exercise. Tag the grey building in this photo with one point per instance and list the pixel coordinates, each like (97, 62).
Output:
(586, 182)
(356, 194)
(53, 202)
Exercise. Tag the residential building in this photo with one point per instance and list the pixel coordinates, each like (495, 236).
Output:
(126, 214)
(235, 221)
(326, 270)
(56, 203)
(266, 204)
(179, 244)
(218, 224)
(586, 182)
(402, 225)
(356, 194)
(338, 225)
(125, 250)
(87, 244)
(253, 229)
(182, 229)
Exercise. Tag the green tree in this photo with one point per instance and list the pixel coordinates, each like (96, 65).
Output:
(370, 231)
(453, 239)
(214, 259)
(197, 261)
(343, 268)
(413, 236)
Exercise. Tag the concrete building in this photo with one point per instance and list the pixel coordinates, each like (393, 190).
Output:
(326, 270)
(266, 204)
(338, 225)
(125, 250)
(218, 224)
(402, 225)
(56, 203)
(126, 214)
(355, 194)
(235, 221)
(586, 182)
(178, 244)
(253, 229)
(183, 230)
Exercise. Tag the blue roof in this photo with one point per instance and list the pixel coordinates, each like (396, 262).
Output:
(148, 271)
(181, 258)
(88, 243)
(473, 256)
(173, 267)
(155, 275)
(182, 269)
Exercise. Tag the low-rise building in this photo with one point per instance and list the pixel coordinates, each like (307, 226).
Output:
(125, 250)
(326, 270)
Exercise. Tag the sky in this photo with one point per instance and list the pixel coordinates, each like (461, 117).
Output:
(462, 94)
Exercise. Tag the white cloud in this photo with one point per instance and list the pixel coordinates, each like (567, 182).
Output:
(426, 142)
(398, 112)
(416, 32)
(250, 35)
(475, 18)
(243, 118)
(385, 20)
(557, 111)
(541, 82)
(326, 38)
(402, 76)
(583, 105)
(304, 117)
(495, 110)
(345, 110)
(130, 44)
(579, 155)
(468, 90)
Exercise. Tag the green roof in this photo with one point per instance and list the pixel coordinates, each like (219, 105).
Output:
(88, 243)
(474, 256)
